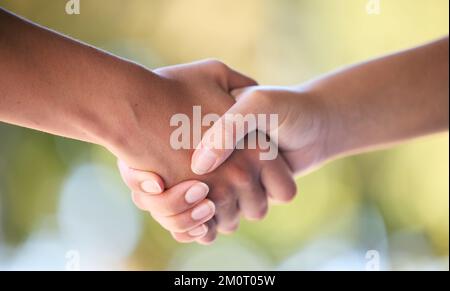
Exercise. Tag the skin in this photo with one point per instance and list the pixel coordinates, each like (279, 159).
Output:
(361, 108)
(57, 85)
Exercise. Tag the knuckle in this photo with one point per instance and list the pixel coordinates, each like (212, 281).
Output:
(222, 197)
(166, 207)
(289, 193)
(214, 62)
(164, 210)
(224, 200)
(178, 225)
(207, 240)
(229, 228)
(218, 66)
(160, 205)
(260, 213)
(241, 176)
(291, 190)
(181, 238)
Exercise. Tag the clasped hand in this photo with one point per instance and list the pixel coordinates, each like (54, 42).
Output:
(209, 196)
(196, 192)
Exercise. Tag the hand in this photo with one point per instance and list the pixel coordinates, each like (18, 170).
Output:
(301, 132)
(243, 184)
(98, 98)
(175, 206)
(367, 106)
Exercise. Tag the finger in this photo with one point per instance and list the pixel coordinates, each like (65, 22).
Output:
(189, 219)
(228, 226)
(240, 92)
(140, 181)
(238, 80)
(253, 202)
(277, 180)
(228, 77)
(192, 235)
(174, 200)
(227, 214)
(211, 235)
(220, 140)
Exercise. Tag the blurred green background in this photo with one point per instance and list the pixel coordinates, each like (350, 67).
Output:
(62, 203)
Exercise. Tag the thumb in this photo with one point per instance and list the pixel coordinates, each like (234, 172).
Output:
(238, 80)
(219, 142)
(140, 181)
(238, 93)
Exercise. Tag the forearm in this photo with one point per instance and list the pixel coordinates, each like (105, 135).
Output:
(387, 100)
(54, 84)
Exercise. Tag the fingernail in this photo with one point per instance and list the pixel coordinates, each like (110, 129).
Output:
(196, 193)
(204, 161)
(151, 187)
(198, 231)
(202, 211)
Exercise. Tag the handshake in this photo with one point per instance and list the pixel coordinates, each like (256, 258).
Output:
(195, 192)
(191, 179)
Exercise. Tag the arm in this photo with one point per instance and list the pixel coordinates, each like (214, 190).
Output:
(54, 84)
(388, 100)
(356, 109)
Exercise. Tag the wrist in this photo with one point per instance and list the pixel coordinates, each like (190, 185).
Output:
(111, 119)
(331, 140)
(305, 131)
